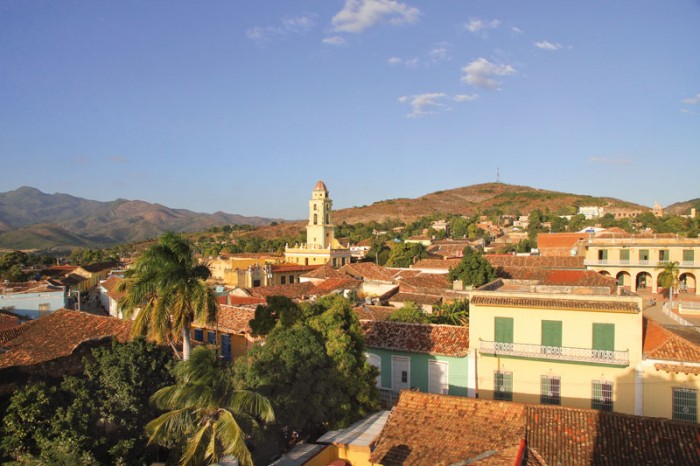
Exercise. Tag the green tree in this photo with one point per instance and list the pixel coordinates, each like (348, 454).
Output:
(167, 286)
(668, 278)
(405, 254)
(323, 348)
(206, 412)
(453, 313)
(473, 269)
(410, 313)
(458, 227)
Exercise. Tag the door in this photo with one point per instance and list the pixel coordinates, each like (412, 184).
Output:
(400, 373)
(437, 377)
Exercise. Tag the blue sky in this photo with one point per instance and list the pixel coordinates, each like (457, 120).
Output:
(242, 106)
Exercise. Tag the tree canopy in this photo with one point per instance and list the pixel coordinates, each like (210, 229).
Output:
(473, 269)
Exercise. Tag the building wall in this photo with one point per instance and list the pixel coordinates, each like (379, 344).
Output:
(577, 332)
(28, 304)
(457, 375)
(658, 389)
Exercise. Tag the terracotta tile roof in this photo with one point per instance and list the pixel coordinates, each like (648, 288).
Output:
(425, 281)
(111, 285)
(325, 271)
(559, 304)
(545, 262)
(58, 334)
(335, 284)
(231, 319)
(581, 436)
(436, 264)
(428, 429)
(292, 291)
(369, 312)
(558, 277)
(445, 340)
(8, 333)
(418, 298)
(366, 271)
(398, 274)
(670, 343)
(559, 240)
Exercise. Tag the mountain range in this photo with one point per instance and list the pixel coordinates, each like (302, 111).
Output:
(31, 219)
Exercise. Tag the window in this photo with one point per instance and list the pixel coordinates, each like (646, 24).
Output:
(550, 390)
(551, 336)
(503, 386)
(602, 254)
(503, 333)
(376, 361)
(643, 255)
(291, 279)
(211, 338)
(688, 255)
(664, 255)
(44, 307)
(624, 254)
(602, 395)
(437, 377)
(198, 334)
(685, 404)
(283, 280)
(400, 373)
(226, 347)
(603, 341)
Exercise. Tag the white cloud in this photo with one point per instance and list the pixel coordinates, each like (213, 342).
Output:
(476, 25)
(481, 73)
(358, 15)
(607, 161)
(546, 45)
(465, 97)
(334, 40)
(516, 30)
(288, 26)
(407, 62)
(692, 100)
(432, 102)
(438, 53)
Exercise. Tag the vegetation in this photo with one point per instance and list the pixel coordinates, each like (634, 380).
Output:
(96, 418)
(453, 313)
(410, 313)
(473, 269)
(206, 413)
(405, 254)
(167, 286)
(317, 345)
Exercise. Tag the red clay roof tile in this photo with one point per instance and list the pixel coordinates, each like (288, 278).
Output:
(445, 340)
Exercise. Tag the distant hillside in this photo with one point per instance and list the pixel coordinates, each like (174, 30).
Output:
(683, 208)
(485, 198)
(31, 219)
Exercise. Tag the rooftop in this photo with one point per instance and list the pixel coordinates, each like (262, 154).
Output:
(367, 271)
(445, 340)
(362, 433)
(671, 343)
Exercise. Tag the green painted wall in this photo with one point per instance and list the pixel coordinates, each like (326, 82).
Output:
(456, 372)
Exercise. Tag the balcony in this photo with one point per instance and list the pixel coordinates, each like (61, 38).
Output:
(556, 353)
(635, 263)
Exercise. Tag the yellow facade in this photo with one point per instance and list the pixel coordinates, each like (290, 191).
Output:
(321, 247)
(578, 368)
(659, 385)
(635, 261)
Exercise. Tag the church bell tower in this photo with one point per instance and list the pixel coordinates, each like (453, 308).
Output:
(320, 232)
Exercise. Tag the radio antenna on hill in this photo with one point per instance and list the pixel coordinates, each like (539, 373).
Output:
(498, 174)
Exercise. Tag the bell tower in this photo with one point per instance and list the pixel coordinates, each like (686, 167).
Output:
(320, 232)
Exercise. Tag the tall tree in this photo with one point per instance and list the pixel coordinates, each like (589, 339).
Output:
(206, 411)
(668, 278)
(167, 291)
(473, 269)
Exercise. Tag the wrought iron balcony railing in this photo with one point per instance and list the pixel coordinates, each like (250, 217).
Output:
(560, 353)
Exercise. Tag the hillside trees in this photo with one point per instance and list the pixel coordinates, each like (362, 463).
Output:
(317, 345)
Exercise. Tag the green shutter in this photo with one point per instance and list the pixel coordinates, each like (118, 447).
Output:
(624, 254)
(503, 330)
(643, 254)
(688, 255)
(551, 333)
(604, 337)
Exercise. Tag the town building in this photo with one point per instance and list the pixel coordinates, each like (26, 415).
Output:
(321, 247)
(32, 299)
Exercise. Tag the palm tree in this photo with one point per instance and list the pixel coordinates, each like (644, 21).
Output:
(166, 289)
(668, 278)
(204, 408)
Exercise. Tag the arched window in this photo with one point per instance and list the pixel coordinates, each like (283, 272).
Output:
(315, 219)
(328, 218)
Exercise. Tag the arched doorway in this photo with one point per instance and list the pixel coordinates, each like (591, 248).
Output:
(687, 283)
(624, 279)
(643, 281)
(604, 273)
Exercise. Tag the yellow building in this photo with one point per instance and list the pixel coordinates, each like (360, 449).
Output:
(321, 247)
(254, 270)
(635, 260)
(565, 345)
